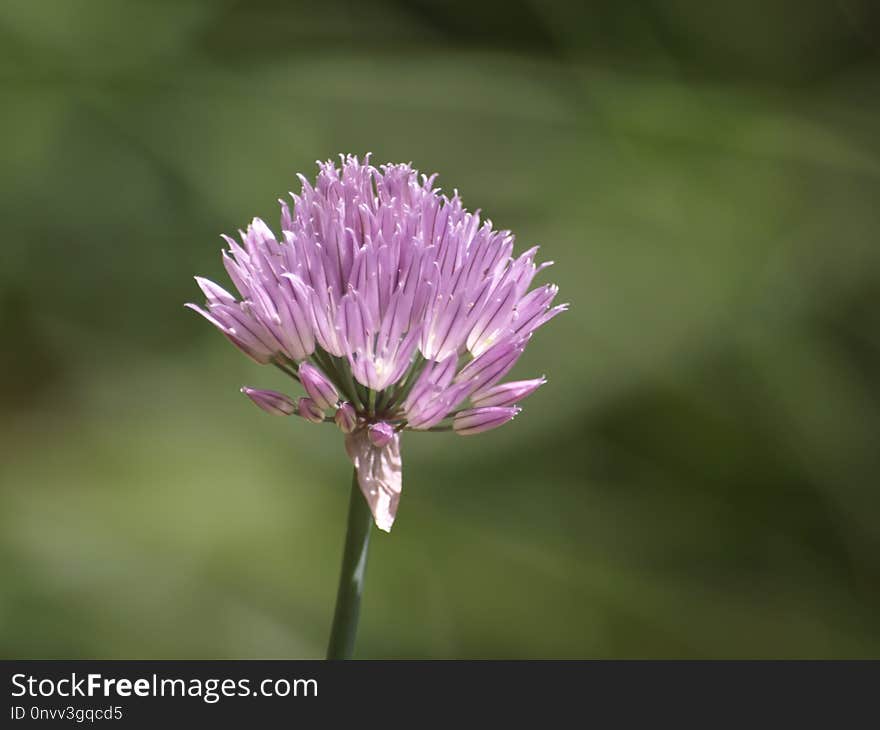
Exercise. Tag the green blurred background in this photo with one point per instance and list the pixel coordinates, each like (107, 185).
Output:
(698, 479)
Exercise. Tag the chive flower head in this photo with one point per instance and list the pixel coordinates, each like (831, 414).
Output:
(394, 307)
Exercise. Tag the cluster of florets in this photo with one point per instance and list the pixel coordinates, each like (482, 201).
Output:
(391, 304)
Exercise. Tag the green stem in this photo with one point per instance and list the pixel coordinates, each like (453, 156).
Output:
(345, 368)
(402, 389)
(285, 369)
(351, 581)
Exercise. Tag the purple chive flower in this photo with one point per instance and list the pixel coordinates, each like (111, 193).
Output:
(506, 394)
(477, 420)
(271, 401)
(311, 411)
(346, 417)
(319, 388)
(383, 291)
(380, 433)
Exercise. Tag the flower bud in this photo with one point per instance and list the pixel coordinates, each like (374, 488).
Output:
(346, 418)
(477, 420)
(308, 409)
(380, 433)
(319, 388)
(506, 394)
(271, 401)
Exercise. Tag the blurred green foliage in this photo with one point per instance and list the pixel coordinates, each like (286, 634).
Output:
(698, 478)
